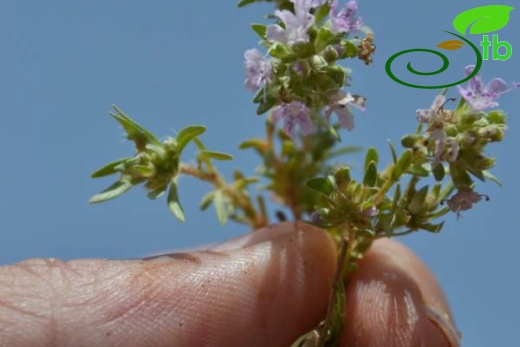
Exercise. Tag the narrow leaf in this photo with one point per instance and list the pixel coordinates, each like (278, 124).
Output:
(220, 207)
(417, 203)
(205, 154)
(111, 192)
(459, 176)
(134, 131)
(325, 36)
(243, 3)
(341, 151)
(488, 174)
(433, 228)
(258, 144)
(174, 203)
(206, 201)
(154, 194)
(371, 156)
(321, 185)
(447, 191)
(188, 134)
(370, 178)
(260, 29)
(419, 170)
(393, 151)
(109, 169)
(402, 164)
(439, 172)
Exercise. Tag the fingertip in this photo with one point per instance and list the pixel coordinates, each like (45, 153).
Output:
(394, 300)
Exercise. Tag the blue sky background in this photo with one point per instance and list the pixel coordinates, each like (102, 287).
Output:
(172, 63)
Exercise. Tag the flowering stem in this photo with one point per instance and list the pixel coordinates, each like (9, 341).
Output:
(336, 283)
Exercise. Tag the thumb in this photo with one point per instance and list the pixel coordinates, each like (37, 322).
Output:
(263, 289)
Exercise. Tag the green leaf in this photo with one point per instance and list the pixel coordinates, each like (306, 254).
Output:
(143, 170)
(325, 36)
(447, 191)
(279, 50)
(205, 154)
(116, 189)
(258, 144)
(303, 50)
(439, 172)
(488, 174)
(342, 176)
(496, 117)
(483, 19)
(134, 131)
(220, 207)
(393, 151)
(188, 134)
(320, 184)
(321, 13)
(371, 156)
(402, 164)
(260, 29)
(418, 170)
(206, 201)
(269, 103)
(154, 194)
(109, 169)
(460, 176)
(174, 203)
(243, 182)
(433, 228)
(477, 173)
(370, 178)
(438, 213)
(243, 3)
(417, 203)
(341, 151)
(436, 191)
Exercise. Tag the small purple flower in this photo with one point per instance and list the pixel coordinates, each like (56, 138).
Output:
(431, 114)
(481, 96)
(463, 200)
(370, 212)
(258, 69)
(345, 21)
(339, 103)
(296, 24)
(317, 3)
(446, 148)
(294, 113)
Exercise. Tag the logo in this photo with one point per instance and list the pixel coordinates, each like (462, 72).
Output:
(480, 21)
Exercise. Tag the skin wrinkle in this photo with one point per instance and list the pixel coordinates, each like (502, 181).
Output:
(296, 288)
(385, 285)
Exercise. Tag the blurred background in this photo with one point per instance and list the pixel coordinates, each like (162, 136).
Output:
(169, 64)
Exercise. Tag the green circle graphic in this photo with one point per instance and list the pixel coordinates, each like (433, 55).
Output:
(445, 64)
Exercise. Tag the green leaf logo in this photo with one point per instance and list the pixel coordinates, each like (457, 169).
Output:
(482, 20)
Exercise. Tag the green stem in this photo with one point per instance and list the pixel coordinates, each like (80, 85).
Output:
(336, 282)
(256, 220)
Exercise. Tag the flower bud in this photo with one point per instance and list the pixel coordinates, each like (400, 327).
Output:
(330, 54)
(409, 141)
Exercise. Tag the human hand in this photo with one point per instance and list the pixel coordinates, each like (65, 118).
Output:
(263, 289)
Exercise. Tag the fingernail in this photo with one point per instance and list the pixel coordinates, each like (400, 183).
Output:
(443, 321)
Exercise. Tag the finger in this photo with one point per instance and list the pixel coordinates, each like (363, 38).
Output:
(394, 300)
(264, 293)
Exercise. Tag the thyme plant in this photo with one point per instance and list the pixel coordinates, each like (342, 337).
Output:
(299, 85)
